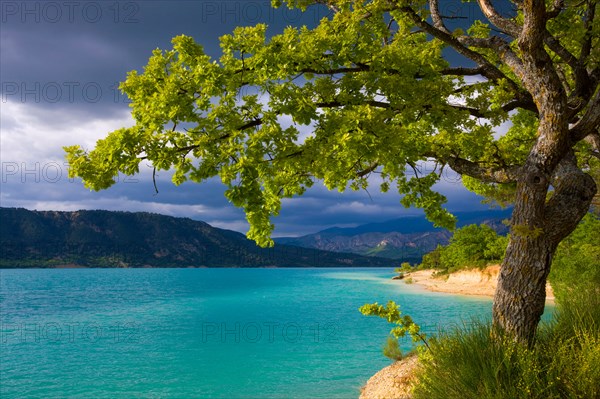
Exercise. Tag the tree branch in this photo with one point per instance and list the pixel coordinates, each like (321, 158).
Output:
(332, 7)
(368, 170)
(253, 123)
(488, 70)
(554, 45)
(507, 174)
(496, 174)
(461, 71)
(333, 71)
(154, 180)
(556, 9)
(479, 42)
(534, 25)
(478, 113)
(590, 121)
(334, 104)
(586, 46)
(506, 25)
(563, 78)
(362, 67)
(582, 80)
(510, 58)
(438, 22)
(573, 194)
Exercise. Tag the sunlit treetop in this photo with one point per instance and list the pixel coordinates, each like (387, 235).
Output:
(372, 86)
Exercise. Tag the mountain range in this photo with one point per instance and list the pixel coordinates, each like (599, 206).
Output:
(125, 239)
(405, 239)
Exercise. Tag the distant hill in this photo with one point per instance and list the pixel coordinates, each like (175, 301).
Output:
(124, 239)
(404, 239)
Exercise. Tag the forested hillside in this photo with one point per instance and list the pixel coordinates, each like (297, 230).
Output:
(124, 239)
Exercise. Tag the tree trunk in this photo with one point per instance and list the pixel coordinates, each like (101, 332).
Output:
(521, 292)
(539, 223)
(537, 227)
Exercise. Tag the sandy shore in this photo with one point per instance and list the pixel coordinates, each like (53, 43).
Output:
(392, 382)
(465, 282)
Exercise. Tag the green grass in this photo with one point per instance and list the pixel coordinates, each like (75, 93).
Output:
(474, 361)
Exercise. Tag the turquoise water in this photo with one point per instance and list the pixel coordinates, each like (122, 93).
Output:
(202, 333)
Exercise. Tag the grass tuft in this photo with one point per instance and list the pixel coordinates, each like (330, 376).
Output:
(474, 361)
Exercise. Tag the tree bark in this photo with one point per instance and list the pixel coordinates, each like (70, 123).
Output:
(521, 293)
(537, 227)
(539, 224)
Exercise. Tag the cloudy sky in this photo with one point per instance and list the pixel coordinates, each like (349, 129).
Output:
(60, 66)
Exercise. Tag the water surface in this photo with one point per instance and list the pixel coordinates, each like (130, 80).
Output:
(203, 333)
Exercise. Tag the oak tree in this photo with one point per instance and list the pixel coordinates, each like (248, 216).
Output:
(374, 85)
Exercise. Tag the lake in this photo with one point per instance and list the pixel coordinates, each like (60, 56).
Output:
(203, 333)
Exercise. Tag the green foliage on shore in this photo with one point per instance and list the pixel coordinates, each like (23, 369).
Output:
(576, 262)
(576, 265)
(470, 246)
(405, 267)
(475, 361)
(403, 325)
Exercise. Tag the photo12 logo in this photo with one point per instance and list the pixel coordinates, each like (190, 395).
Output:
(53, 12)
(60, 92)
(56, 331)
(43, 172)
(267, 332)
(254, 12)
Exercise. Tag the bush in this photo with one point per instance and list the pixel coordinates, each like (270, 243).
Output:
(432, 260)
(476, 362)
(405, 267)
(469, 246)
(576, 263)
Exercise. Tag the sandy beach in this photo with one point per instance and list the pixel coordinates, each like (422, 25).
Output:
(481, 282)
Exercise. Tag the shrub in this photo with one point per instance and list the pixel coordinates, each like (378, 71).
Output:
(474, 361)
(432, 260)
(469, 246)
(406, 267)
(576, 263)
(403, 325)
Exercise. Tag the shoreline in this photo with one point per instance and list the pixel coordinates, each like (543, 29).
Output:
(397, 379)
(472, 282)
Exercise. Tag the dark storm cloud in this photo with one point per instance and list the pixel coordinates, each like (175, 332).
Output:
(60, 66)
(77, 52)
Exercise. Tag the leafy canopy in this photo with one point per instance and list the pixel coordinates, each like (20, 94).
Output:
(363, 92)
